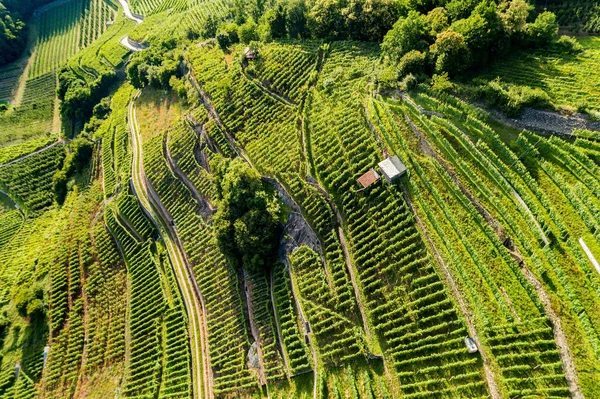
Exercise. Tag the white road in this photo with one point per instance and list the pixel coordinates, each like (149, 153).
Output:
(589, 254)
(128, 13)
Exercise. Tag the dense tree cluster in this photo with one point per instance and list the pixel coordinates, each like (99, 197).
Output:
(80, 153)
(366, 20)
(247, 219)
(455, 35)
(155, 66)
(12, 27)
(79, 97)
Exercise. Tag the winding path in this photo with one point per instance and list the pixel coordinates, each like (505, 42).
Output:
(61, 141)
(194, 305)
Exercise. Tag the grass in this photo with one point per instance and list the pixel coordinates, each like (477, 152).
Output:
(157, 110)
(571, 81)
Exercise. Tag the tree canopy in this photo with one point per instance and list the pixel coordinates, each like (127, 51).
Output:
(246, 221)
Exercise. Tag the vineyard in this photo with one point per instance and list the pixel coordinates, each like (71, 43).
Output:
(32, 119)
(569, 80)
(65, 29)
(473, 273)
(29, 181)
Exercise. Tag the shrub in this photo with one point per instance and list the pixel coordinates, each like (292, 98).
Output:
(569, 44)
(512, 98)
(412, 62)
(545, 28)
(441, 83)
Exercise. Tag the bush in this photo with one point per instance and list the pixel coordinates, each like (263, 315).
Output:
(512, 98)
(412, 62)
(409, 82)
(441, 83)
(248, 32)
(545, 28)
(569, 44)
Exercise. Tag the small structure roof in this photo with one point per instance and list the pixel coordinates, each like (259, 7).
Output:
(249, 53)
(370, 177)
(392, 168)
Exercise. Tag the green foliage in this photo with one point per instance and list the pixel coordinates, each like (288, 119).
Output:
(545, 28)
(569, 44)
(246, 221)
(352, 19)
(441, 83)
(451, 52)
(412, 62)
(438, 20)
(154, 66)
(248, 31)
(409, 33)
(12, 35)
(512, 98)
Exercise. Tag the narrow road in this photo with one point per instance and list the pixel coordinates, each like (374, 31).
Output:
(286, 363)
(61, 141)
(201, 374)
(489, 374)
(128, 13)
(311, 343)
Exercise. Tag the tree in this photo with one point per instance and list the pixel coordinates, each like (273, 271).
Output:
(408, 34)
(275, 19)
(451, 52)
(412, 62)
(209, 28)
(246, 221)
(248, 31)
(369, 19)
(295, 23)
(438, 20)
(514, 15)
(325, 20)
(459, 9)
(545, 28)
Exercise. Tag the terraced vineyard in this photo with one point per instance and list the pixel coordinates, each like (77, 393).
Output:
(220, 236)
(66, 28)
(568, 80)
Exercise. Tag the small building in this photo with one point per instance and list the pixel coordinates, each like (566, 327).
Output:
(249, 53)
(368, 178)
(471, 345)
(392, 168)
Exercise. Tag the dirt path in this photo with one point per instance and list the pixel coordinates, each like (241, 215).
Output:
(589, 254)
(489, 374)
(303, 320)
(566, 356)
(194, 303)
(286, 363)
(262, 378)
(205, 206)
(14, 161)
(559, 335)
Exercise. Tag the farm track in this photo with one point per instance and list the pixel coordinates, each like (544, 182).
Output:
(14, 161)
(489, 374)
(283, 354)
(194, 304)
(253, 328)
(311, 343)
(560, 338)
(205, 206)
